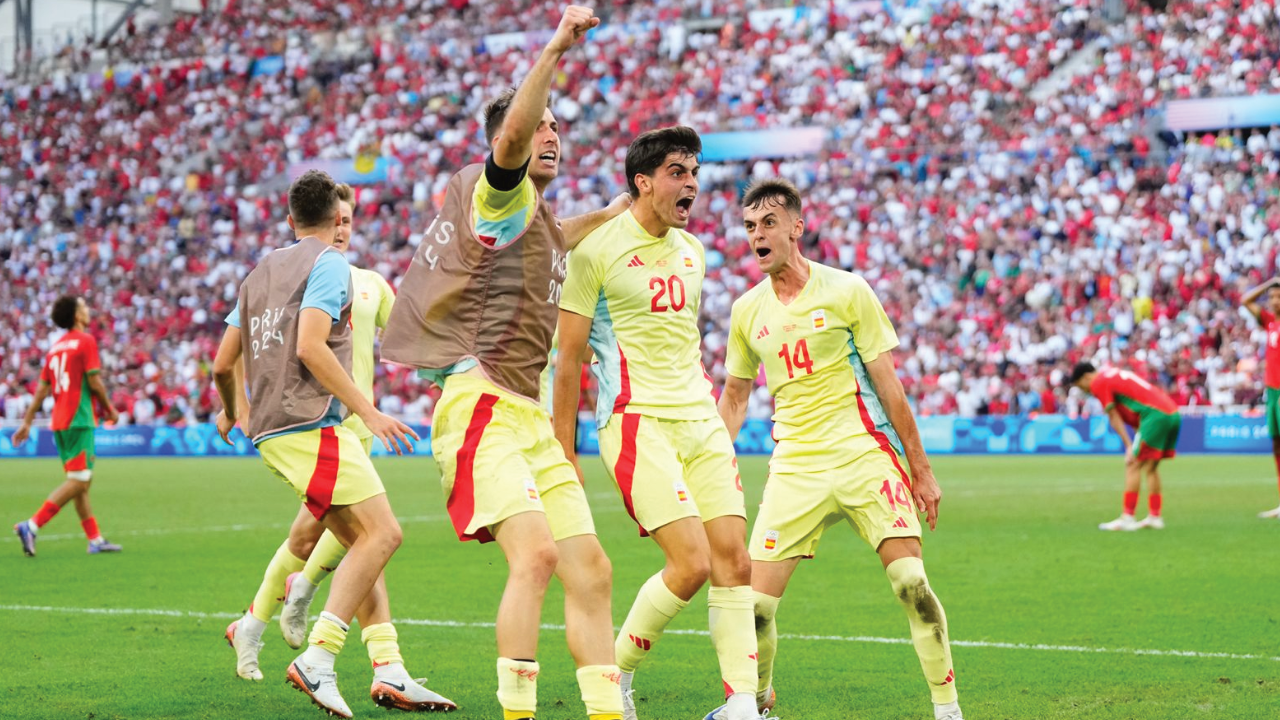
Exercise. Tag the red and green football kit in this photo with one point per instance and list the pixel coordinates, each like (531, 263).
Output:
(1143, 406)
(67, 368)
(1272, 324)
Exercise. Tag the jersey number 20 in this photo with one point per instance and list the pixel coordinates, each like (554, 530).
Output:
(668, 288)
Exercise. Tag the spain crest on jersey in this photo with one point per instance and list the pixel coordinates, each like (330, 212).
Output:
(819, 319)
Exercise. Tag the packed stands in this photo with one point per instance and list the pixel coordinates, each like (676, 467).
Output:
(1006, 237)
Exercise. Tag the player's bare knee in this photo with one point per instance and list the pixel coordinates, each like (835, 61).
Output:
(689, 574)
(594, 576)
(535, 563)
(301, 547)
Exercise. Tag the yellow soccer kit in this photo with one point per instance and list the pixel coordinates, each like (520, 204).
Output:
(657, 418)
(370, 308)
(835, 456)
(324, 466)
(497, 452)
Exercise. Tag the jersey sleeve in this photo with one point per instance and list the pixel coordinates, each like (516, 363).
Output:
(501, 216)
(1266, 317)
(873, 333)
(387, 302)
(740, 361)
(581, 291)
(89, 358)
(233, 318)
(328, 284)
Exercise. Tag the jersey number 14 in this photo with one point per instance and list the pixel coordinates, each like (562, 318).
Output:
(58, 368)
(797, 360)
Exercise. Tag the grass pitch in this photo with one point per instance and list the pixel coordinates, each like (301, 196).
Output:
(1049, 615)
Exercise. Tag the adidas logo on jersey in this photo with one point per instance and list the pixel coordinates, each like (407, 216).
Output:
(635, 261)
(764, 333)
(900, 523)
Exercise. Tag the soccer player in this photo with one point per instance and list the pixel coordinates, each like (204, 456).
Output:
(840, 416)
(72, 375)
(296, 352)
(1268, 316)
(392, 687)
(1130, 400)
(632, 293)
(476, 314)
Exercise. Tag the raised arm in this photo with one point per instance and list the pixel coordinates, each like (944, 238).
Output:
(42, 392)
(733, 404)
(567, 390)
(514, 145)
(579, 226)
(1250, 299)
(924, 486)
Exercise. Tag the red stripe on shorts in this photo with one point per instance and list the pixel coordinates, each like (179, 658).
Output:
(325, 476)
(77, 463)
(462, 499)
(624, 391)
(882, 439)
(625, 469)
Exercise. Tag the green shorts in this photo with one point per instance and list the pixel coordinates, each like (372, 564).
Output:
(1158, 435)
(75, 448)
(1273, 412)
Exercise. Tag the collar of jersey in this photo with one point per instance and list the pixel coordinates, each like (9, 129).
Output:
(639, 230)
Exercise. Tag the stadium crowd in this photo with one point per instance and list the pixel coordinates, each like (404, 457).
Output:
(1006, 236)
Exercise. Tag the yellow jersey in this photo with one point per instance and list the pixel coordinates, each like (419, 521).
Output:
(370, 308)
(642, 294)
(815, 351)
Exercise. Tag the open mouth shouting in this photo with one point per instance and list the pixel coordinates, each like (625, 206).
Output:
(684, 206)
(548, 159)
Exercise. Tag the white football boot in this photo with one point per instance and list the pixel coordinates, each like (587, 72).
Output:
(246, 652)
(393, 688)
(1124, 522)
(320, 684)
(628, 696)
(298, 592)
(1270, 514)
(1154, 522)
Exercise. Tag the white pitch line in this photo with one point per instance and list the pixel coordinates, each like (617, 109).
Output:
(152, 532)
(158, 612)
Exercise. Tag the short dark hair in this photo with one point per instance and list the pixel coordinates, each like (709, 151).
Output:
(1080, 370)
(496, 111)
(777, 190)
(64, 311)
(648, 151)
(313, 199)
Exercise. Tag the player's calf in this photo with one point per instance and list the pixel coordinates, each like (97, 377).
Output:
(928, 624)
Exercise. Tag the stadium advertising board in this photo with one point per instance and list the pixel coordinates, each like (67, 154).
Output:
(1217, 113)
(753, 144)
(942, 435)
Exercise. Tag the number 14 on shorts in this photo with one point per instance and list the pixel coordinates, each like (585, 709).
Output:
(897, 494)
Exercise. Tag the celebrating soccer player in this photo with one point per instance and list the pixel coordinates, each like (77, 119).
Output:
(633, 292)
(1130, 400)
(297, 363)
(307, 556)
(72, 375)
(1270, 319)
(840, 419)
(476, 315)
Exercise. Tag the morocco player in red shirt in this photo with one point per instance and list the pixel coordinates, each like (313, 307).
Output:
(71, 375)
(1269, 317)
(1134, 402)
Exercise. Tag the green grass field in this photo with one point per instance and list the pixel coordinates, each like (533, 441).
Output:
(1050, 616)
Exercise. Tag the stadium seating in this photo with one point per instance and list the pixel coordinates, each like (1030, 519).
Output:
(1006, 236)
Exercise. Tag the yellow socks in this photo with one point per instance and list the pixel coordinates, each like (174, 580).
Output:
(271, 591)
(600, 691)
(766, 640)
(329, 634)
(382, 643)
(517, 688)
(324, 558)
(928, 626)
(732, 611)
(654, 608)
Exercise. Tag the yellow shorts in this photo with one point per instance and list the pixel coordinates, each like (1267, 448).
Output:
(499, 457)
(357, 426)
(667, 470)
(327, 467)
(872, 493)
